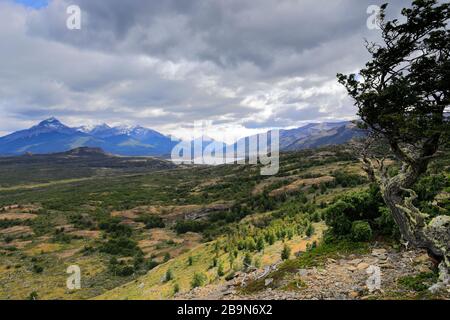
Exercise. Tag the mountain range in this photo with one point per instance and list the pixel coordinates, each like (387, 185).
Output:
(52, 136)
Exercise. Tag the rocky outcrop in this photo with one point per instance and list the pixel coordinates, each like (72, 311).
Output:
(346, 278)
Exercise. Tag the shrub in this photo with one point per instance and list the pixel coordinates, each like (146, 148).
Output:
(169, 275)
(152, 221)
(138, 259)
(309, 230)
(124, 270)
(214, 262)
(358, 206)
(166, 256)
(271, 238)
(81, 221)
(120, 269)
(420, 282)
(151, 264)
(247, 260)
(198, 280)
(230, 276)
(183, 226)
(250, 244)
(361, 231)
(120, 246)
(348, 180)
(61, 237)
(220, 271)
(385, 223)
(260, 244)
(33, 296)
(114, 228)
(286, 253)
(37, 269)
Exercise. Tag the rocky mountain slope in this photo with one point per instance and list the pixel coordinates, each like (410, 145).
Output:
(52, 136)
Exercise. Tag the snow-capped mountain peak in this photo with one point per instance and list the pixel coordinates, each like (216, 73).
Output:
(125, 129)
(51, 123)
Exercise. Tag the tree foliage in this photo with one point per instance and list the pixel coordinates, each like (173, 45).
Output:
(402, 95)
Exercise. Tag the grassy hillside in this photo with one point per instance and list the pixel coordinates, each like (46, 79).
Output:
(128, 228)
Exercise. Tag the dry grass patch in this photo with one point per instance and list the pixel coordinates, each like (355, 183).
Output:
(18, 216)
(17, 231)
(44, 248)
(293, 187)
(89, 234)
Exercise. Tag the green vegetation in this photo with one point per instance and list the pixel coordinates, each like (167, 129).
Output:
(420, 282)
(169, 275)
(199, 280)
(286, 253)
(120, 246)
(361, 231)
(359, 215)
(125, 225)
(151, 221)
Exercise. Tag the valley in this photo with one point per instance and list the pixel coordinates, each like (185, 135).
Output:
(150, 230)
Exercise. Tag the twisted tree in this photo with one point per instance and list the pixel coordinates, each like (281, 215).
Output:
(402, 96)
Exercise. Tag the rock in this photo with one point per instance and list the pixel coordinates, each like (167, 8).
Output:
(423, 269)
(351, 268)
(229, 292)
(379, 252)
(386, 265)
(372, 261)
(356, 261)
(302, 272)
(363, 266)
(436, 288)
(424, 258)
(268, 281)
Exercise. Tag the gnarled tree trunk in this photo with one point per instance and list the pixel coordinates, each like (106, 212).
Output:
(434, 235)
(415, 226)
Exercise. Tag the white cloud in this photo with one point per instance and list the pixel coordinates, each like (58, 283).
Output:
(245, 65)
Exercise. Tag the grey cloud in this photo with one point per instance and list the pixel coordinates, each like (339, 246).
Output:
(169, 63)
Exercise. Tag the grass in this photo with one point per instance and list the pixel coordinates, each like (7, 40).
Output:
(418, 283)
(81, 189)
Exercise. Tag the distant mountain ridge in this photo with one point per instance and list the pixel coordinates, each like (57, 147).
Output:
(52, 136)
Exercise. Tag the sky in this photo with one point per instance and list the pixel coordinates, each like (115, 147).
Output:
(245, 66)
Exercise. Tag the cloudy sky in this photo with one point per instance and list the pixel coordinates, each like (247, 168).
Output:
(245, 65)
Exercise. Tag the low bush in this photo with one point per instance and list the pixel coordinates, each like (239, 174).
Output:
(183, 226)
(152, 221)
(361, 231)
(120, 246)
(359, 206)
(199, 280)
